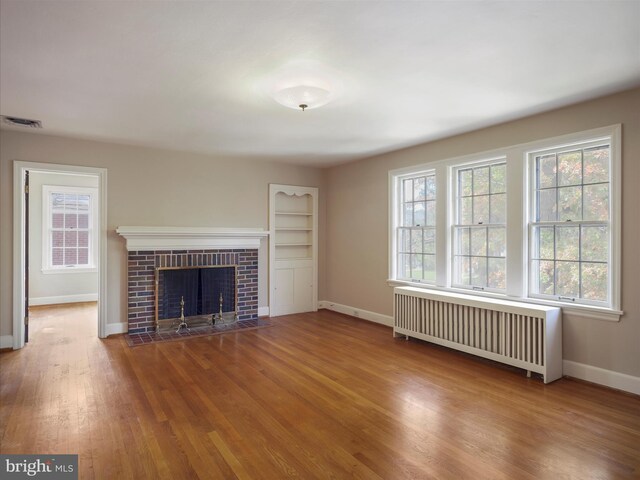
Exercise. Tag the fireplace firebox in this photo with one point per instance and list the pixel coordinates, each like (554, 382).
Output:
(144, 265)
(196, 295)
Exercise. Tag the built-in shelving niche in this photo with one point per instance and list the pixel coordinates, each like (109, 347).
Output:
(293, 221)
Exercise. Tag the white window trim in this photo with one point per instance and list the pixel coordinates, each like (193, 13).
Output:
(532, 210)
(518, 192)
(47, 267)
(397, 202)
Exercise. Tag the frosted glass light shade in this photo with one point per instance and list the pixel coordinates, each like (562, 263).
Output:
(296, 97)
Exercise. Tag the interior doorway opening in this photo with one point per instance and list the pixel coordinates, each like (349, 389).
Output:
(59, 241)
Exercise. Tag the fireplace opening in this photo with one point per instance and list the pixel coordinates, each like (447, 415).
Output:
(197, 295)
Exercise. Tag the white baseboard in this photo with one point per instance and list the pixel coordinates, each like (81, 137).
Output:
(115, 328)
(608, 378)
(87, 297)
(263, 311)
(357, 312)
(6, 341)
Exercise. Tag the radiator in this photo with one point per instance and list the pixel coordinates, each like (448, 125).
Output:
(523, 335)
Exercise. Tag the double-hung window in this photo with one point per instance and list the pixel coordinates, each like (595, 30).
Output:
(69, 241)
(479, 230)
(570, 231)
(536, 222)
(416, 232)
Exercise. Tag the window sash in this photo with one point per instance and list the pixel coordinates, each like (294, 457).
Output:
(487, 263)
(534, 260)
(415, 232)
(64, 248)
(580, 278)
(68, 246)
(416, 263)
(484, 267)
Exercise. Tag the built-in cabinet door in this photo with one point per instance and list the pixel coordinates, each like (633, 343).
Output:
(284, 297)
(303, 286)
(293, 290)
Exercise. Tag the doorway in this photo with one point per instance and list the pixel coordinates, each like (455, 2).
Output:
(68, 200)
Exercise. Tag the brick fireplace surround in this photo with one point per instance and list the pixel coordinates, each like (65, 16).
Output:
(153, 247)
(141, 272)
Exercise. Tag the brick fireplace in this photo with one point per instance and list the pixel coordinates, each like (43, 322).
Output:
(151, 248)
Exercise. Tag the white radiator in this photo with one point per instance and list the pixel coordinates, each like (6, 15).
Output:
(523, 335)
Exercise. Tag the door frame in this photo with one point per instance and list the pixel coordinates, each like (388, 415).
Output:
(19, 228)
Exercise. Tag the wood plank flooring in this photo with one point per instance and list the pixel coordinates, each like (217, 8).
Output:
(317, 395)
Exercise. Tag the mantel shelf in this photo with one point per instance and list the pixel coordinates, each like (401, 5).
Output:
(184, 238)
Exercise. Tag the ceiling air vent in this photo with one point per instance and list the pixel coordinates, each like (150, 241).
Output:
(21, 122)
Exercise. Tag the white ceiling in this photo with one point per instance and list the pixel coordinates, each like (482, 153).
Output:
(195, 75)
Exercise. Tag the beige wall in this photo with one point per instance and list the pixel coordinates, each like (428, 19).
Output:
(149, 187)
(356, 266)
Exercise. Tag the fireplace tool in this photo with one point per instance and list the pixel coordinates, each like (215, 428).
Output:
(183, 323)
(217, 316)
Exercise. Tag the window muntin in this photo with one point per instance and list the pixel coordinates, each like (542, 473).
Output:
(521, 267)
(570, 231)
(479, 230)
(69, 240)
(416, 233)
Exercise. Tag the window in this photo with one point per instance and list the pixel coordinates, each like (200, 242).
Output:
(538, 222)
(570, 227)
(479, 230)
(69, 242)
(416, 234)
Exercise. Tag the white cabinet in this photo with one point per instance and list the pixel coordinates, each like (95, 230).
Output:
(293, 249)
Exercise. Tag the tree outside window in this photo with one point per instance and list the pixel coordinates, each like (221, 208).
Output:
(570, 232)
(416, 235)
(479, 232)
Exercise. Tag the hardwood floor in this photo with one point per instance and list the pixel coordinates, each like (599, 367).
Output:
(314, 396)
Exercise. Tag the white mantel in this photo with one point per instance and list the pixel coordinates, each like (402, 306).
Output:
(189, 238)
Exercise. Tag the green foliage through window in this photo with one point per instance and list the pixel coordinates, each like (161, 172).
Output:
(570, 232)
(480, 230)
(417, 231)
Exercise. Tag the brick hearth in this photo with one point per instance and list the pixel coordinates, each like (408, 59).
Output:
(141, 280)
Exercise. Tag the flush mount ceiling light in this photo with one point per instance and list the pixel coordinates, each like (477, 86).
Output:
(302, 97)
(302, 84)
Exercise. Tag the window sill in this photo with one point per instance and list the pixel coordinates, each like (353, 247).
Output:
(585, 311)
(56, 271)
